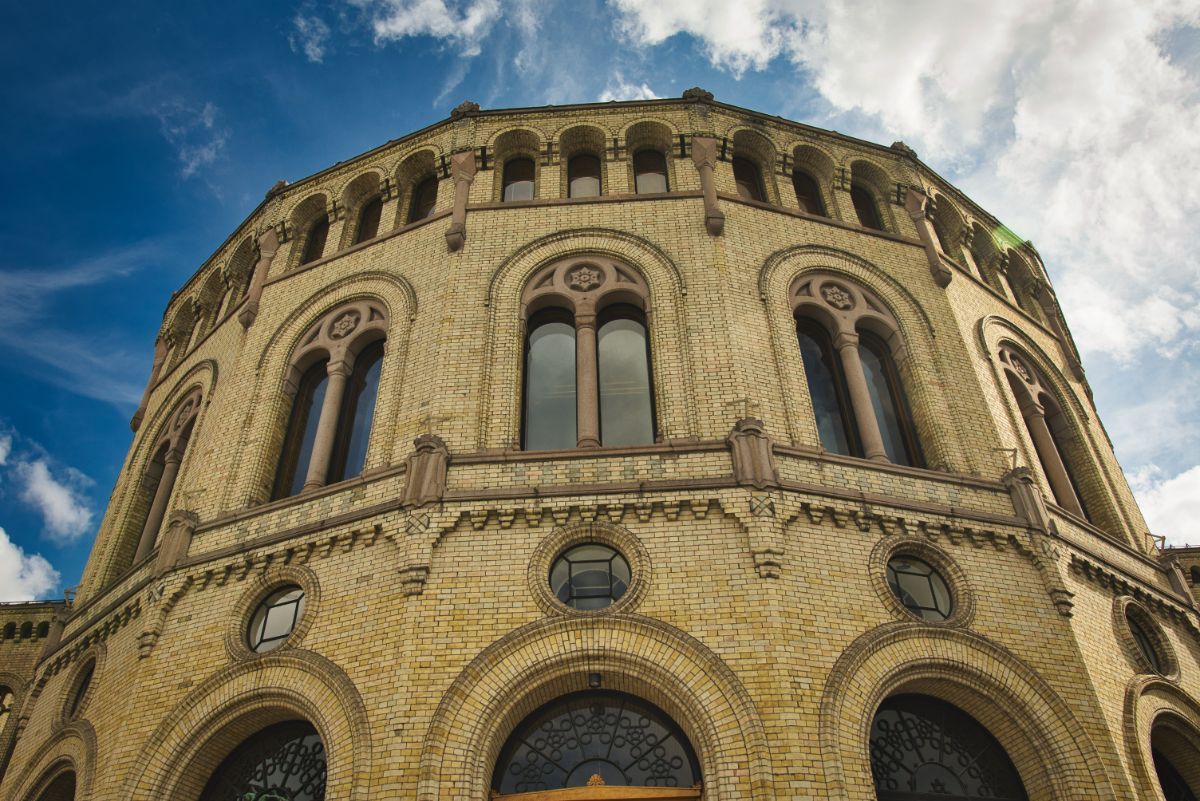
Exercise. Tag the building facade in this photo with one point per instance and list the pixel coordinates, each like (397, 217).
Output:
(641, 450)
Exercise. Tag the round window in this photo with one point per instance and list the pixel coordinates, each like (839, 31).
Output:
(589, 576)
(275, 619)
(920, 588)
(1144, 642)
(82, 685)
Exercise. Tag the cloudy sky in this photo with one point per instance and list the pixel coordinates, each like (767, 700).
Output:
(137, 136)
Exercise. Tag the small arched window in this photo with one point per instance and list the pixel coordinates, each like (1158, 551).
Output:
(865, 207)
(827, 389)
(356, 414)
(519, 179)
(550, 403)
(650, 172)
(623, 362)
(301, 431)
(808, 193)
(368, 220)
(1194, 573)
(162, 473)
(314, 242)
(424, 199)
(7, 697)
(283, 761)
(748, 178)
(888, 401)
(583, 176)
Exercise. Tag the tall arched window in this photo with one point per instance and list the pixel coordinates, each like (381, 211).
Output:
(158, 483)
(583, 176)
(748, 178)
(550, 401)
(518, 179)
(314, 242)
(596, 739)
(357, 412)
(650, 172)
(7, 697)
(1176, 759)
(924, 749)
(368, 220)
(888, 401)
(283, 761)
(301, 431)
(865, 207)
(827, 388)
(623, 359)
(424, 199)
(808, 194)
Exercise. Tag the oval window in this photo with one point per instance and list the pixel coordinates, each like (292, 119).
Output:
(275, 619)
(590, 576)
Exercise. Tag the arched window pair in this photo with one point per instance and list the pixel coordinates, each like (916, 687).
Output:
(158, 482)
(333, 384)
(587, 376)
(857, 395)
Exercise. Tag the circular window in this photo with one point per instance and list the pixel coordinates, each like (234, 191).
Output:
(589, 576)
(1144, 643)
(275, 619)
(919, 587)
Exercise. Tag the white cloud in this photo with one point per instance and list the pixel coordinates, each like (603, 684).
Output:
(620, 89)
(23, 577)
(59, 499)
(1171, 505)
(309, 37)
(464, 24)
(194, 132)
(5, 448)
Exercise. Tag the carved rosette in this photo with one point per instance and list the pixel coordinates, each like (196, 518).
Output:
(585, 278)
(339, 334)
(844, 305)
(585, 284)
(837, 296)
(344, 324)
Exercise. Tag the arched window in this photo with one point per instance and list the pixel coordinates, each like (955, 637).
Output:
(1176, 758)
(1174, 787)
(827, 388)
(888, 401)
(650, 172)
(357, 411)
(623, 360)
(748, 178)
(808, 194)
(924, 749)
(550, 381)
(583, 176)
(62, 788)
(865, 207)
(1194, 574)
(518, 179)
(314, 242)
(368, 220)
(158, 483)
(7, 697)
(283, 761)
(301, 431)
(424, 199)
(592, 739)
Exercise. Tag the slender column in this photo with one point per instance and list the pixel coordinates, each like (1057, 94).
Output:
(704, 154)
(331, 407)
(158, 508)
(587, 396)
(462, 172)
(268, 246)
(1056, 471)
(860, 397)
(916, 203)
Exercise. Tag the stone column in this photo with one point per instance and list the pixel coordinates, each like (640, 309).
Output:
(587, 396)
(916, 204)
(462, 172)
(1056, 470)
(331, 407)
(158, 508)
(704, 154)
(860, 397)
(160, 355)
(268, 246)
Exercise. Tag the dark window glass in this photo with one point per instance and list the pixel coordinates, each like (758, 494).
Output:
(924, 749)
(1195, 575)
(1059, 435)
(81, 690)
(583, 176)
(808, 194)
(1170, 780)
(865, 208)
(61, 789)
(590, 576)
(827, 388)
(888, 401)
(275, 619)
(749, 179)
(368, 220)
(284, 762)
(919, 587)
(550, 382)
(314, 245)
(622, 739)
(1145, 642)
(650, 172)
(301, 432)
(424, 199)
(518, 179)
(626, 399)
(358, 410)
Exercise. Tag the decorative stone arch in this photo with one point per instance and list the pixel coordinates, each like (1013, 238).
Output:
(897, 317)
(500, 396)
(70, 749)
(1053, 754)
(411, 170)
(360, 189)
(1006, 346)
(211, 302)
(240, 270)
(756, 146)
(815, 161)
(949, 227)
(552, 657)
(583, 139)
(876, 180)
(651, 134)
(1155, 706)
(513, 143)
(300, 220)
(177, 760)
(178, 332)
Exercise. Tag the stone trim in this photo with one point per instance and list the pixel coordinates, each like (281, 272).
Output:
(274, 577)
(71, 748)
(564, 537)
(962, 594)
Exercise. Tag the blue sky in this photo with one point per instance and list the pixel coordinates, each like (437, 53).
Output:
(136, 137)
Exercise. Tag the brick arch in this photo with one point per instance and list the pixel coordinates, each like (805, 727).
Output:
(756, 146)
(499, 416)
(410, 171)
(651, 133)
(879, 182)
(178, 758)
(1055, 757)
(1153, 703)
(71, 748)
(300, 219)
(640, 656)
(782, 270)
(354, 194)
(818, 163)
(512, 143)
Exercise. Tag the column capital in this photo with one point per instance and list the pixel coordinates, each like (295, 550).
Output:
(845, 339)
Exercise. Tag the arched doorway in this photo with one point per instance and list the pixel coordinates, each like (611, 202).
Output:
(283, 762)
(592, 745)
(924, 749)
(62, 788)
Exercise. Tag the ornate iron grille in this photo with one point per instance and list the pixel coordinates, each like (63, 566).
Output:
(284, 762)
(623, 740)
(923, 749)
